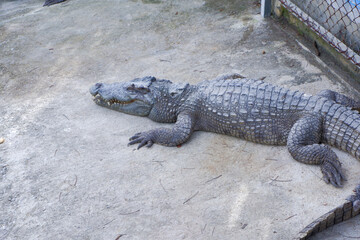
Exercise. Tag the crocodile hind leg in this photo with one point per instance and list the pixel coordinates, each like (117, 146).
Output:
(341, 99)
(304, 146)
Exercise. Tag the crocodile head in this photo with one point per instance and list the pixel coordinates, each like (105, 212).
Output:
(134, 97)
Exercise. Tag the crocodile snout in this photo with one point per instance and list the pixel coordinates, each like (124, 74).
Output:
(94, 89)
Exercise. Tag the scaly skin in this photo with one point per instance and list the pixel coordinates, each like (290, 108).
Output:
(249, 109)
(345, 211)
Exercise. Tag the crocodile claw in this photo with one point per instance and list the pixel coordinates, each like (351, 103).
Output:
(332, 172)
(143, 138)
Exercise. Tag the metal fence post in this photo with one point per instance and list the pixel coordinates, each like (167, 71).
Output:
(265, 8)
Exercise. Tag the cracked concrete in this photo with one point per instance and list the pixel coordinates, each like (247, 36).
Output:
(66, 171)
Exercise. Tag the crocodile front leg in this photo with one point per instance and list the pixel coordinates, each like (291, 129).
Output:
(175, 136)
(304, 146)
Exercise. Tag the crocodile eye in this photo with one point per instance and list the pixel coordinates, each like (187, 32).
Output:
(144, 90)
(131, 87)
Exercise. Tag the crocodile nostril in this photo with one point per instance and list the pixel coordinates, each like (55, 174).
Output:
(98, 85)
(94, 89)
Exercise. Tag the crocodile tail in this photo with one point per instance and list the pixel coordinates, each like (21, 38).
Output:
(342, 129)
(347, 210)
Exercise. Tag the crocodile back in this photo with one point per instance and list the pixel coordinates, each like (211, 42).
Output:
(250, 109)
(261, 112)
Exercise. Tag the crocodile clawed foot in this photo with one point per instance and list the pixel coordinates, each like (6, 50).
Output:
(332, 172)
(143, 138)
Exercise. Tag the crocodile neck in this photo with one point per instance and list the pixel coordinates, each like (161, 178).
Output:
(167, 104)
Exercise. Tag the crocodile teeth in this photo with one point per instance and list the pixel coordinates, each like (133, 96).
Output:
(99, 99)
(113, 101)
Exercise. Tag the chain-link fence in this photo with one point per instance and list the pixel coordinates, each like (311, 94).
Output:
(336, 21)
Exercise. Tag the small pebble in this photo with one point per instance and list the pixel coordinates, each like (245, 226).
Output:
(2, 140)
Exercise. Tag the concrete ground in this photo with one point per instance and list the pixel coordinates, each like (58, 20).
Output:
(66, 171)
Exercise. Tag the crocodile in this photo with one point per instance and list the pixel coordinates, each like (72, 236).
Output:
(249, 109)
(350, 208)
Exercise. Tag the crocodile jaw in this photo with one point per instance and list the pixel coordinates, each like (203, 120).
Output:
(134, 107)
(115, 97)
